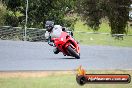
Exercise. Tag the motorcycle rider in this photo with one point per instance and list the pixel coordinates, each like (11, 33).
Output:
(52, 31)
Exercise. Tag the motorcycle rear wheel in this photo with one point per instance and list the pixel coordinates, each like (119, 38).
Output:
(73, 52)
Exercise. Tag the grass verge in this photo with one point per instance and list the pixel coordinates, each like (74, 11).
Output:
(55, 80)
(104, 27)
(100, 39)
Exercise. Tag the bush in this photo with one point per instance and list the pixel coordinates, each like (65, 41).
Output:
(2, 13)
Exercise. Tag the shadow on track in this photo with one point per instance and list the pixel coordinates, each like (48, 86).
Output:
(62, 58)
(67, 58)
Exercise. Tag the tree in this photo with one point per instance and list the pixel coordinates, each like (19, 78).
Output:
(90, 11)
(118, 15)
(2, 13)
(116, 11)
(39, 11)
(13, 12)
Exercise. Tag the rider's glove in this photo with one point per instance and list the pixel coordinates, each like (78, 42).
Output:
(51, 43)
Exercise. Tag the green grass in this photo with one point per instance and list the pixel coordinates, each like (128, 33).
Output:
(104, 27)
(58, 81)
(79, 26)
(100, 39)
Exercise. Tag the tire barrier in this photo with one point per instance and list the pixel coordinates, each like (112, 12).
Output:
(17, 33)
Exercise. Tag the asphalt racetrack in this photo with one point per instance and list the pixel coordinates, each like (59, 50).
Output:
(22, 55)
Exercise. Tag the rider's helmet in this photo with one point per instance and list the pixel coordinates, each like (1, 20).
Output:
(49, 25)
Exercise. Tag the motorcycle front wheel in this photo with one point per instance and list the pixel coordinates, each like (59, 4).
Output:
(73, 52)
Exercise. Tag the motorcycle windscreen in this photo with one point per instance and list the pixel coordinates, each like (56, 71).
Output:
(56, 33)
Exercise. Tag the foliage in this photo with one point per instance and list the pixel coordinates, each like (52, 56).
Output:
(39, 11)
(116, 11)
(118, 15)
(2, 13)
(90, 11)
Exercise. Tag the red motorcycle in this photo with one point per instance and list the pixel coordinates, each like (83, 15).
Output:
(67, 45)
